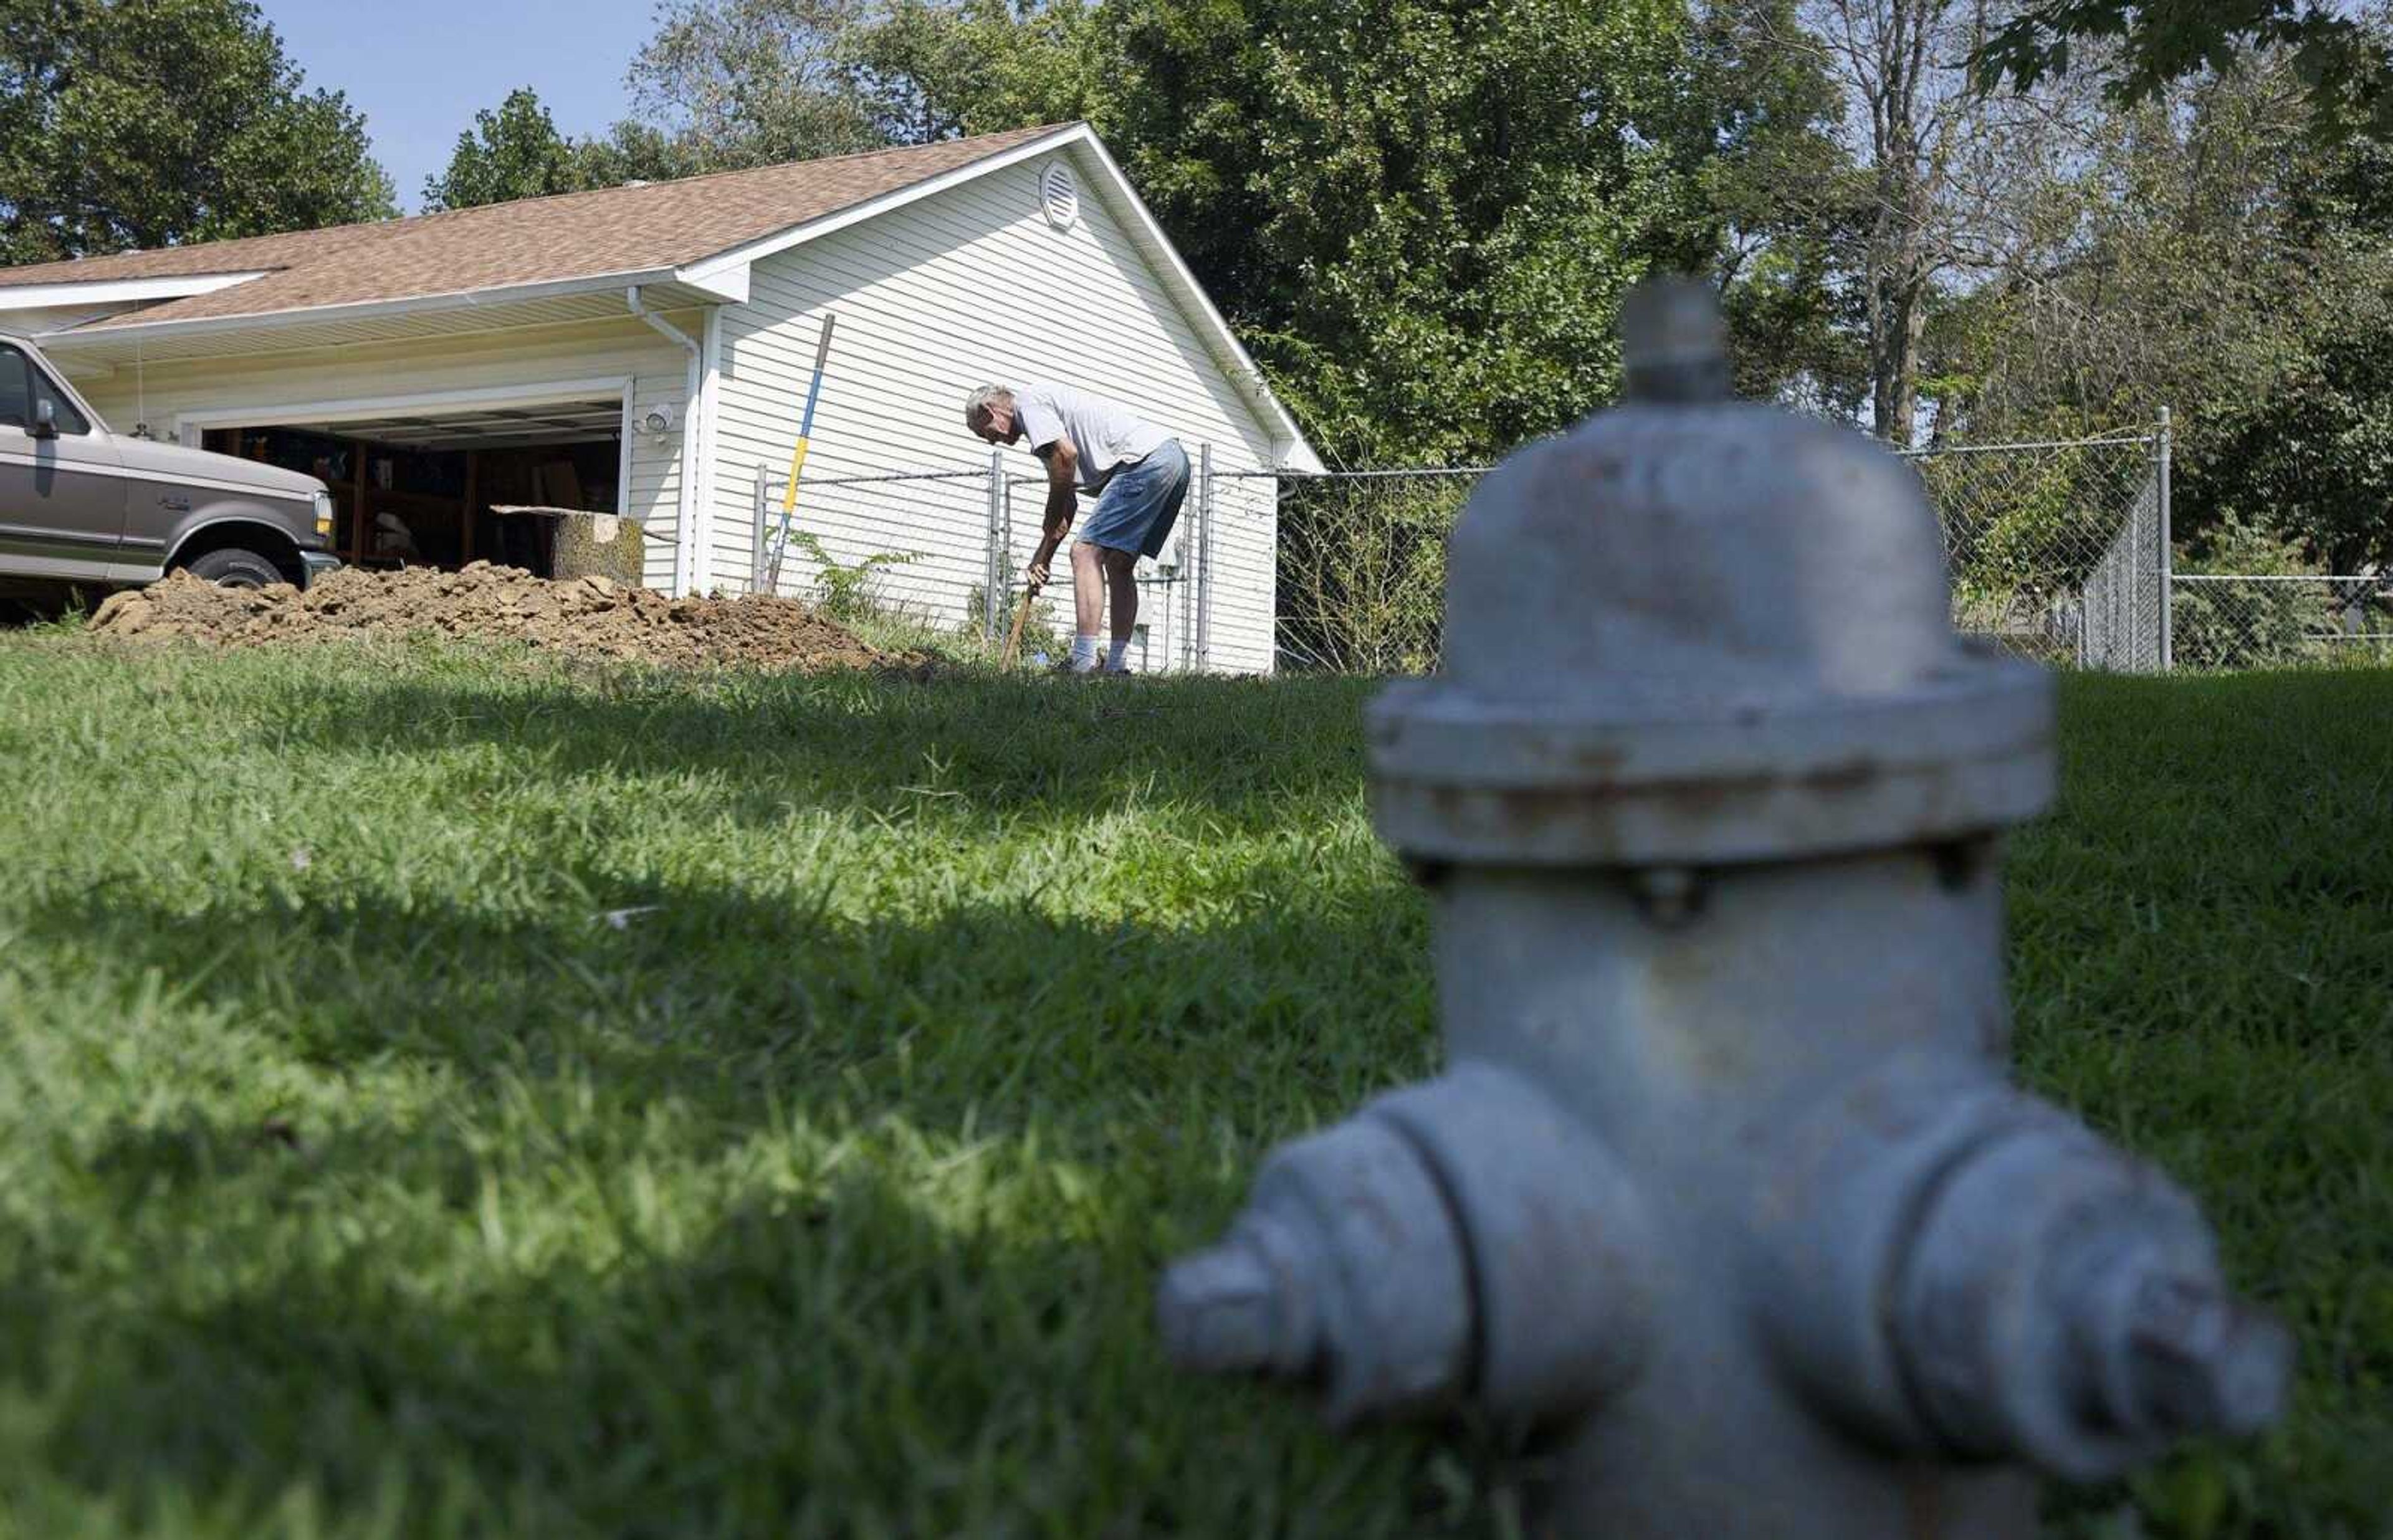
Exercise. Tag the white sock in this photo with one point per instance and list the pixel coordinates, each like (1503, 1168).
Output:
(1114, 657)
(1084, 654)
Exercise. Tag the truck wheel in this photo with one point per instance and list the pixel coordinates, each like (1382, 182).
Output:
(234, 567)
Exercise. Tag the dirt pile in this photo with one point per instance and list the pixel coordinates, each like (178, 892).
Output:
(591, 616)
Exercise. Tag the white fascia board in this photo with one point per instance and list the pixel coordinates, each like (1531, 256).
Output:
(117, 291)
(367, 310)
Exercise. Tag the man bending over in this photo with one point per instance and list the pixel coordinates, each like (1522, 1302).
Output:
(1138, 473)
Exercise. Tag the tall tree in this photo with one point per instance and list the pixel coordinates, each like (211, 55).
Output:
(150, 122)
(2203, 251)
(1420, 213)
(516, 151)
(1921, 137)
(754, 81)
(513, 152)
(1781, 208)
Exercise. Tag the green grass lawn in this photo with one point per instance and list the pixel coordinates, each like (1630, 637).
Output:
(455, 1094)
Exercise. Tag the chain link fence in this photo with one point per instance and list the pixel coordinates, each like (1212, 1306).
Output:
(2234, 621)
(1361, 568)
(2060, 551)
(929, 547)
(2057, 551)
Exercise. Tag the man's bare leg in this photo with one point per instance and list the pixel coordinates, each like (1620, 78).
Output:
(1088, 602)
(1121, 580)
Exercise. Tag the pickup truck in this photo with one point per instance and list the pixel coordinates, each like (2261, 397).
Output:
(83, 505)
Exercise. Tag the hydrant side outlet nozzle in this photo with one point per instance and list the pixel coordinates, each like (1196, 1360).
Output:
(1345, 1270)
(1725, 1189)
(1458, 1237)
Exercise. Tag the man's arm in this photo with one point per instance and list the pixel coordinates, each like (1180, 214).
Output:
(1063, 481)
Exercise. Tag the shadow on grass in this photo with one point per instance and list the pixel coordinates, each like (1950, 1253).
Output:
(852, 740)
(846, 1346)
(990, 1011)
(842, 1365)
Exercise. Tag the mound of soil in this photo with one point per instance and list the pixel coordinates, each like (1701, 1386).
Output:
(591, 616)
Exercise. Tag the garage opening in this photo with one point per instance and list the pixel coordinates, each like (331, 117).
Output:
(443, 490)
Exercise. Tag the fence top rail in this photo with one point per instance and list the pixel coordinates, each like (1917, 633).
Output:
(2099, 441)
(2378, 580)
(1354, 475)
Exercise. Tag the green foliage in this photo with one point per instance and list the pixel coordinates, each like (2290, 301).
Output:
(846, 593)
(1361, 580)
(151, 123)
(2246, 625)
(2025, 529)
(740, 83)
(2141, 50)
(517, 152)
(2205, 253)
(2312, 457)
(514, 152)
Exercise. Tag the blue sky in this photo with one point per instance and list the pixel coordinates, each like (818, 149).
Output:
(420, 69)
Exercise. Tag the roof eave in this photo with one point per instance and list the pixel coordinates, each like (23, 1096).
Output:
(717, 291)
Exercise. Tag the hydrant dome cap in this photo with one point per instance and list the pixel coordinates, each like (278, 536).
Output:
(1695, 629)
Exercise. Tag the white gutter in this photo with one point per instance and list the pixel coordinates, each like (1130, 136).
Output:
(685, 520)
(375, 309)
(709, 394)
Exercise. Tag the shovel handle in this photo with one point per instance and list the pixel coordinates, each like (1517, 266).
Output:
(1021, 613)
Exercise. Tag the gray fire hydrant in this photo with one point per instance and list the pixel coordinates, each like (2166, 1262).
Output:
(1725, 1195)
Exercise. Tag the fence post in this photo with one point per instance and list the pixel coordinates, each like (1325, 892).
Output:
(756, 579)
(2168, 584)
(1204, 556)
(992, 565)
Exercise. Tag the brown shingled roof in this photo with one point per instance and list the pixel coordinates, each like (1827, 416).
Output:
(574, 235)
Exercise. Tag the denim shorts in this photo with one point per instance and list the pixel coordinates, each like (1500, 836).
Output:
(1141, 504)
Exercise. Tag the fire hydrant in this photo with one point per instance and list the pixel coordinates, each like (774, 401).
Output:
(1725, 1197)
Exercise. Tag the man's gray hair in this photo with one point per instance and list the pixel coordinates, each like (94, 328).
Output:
(979, 401)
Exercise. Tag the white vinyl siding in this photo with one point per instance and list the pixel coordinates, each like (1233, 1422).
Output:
(535, 356)
(967, 287)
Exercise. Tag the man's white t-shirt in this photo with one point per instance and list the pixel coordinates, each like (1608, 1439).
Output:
(1104, 435)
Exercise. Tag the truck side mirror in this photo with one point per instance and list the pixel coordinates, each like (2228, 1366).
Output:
(46, 419)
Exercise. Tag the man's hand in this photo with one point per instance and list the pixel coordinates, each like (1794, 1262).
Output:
(1037, 570)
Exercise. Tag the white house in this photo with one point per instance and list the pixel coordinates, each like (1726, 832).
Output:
(647, 349)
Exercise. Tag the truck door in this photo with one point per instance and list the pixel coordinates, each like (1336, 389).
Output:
(61, 493)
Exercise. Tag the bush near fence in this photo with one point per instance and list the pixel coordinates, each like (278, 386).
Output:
(1362, 568)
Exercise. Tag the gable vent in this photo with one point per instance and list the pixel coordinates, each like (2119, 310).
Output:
(1059, 194)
